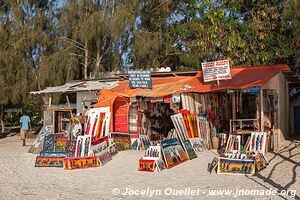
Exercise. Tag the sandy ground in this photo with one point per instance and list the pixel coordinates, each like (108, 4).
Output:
(19, 179)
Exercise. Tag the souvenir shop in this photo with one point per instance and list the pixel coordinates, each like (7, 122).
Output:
(239, 117)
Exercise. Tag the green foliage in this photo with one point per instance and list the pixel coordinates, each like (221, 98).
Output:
(33, 109)
(46, 43)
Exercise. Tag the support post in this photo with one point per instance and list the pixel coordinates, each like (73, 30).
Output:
(261, 110)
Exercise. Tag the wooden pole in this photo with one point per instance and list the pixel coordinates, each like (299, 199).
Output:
(261, 110)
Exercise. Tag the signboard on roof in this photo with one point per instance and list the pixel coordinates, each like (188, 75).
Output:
(140, 79)
(218, 70)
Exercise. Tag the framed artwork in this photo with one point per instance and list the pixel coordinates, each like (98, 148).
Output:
(98, 122)
(81, 163)
(189, 149)
(49, 161)
(173, 152)
(83, 146)
(213, 165)
(233, 142)
(235, 166)
(122, 140)
(146, 165)
(257, 143)
(71, 148)
(63, 154)
(197, 145)
(203, 130)
(182, 136)
(101, 150)
(112, 149)
(61, 144)
(179, 125)
(49, 143)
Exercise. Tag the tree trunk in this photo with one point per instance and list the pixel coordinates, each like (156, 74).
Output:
(2, 120)
(85, 74)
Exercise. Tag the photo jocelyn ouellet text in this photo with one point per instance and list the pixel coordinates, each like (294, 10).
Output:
(149, 192)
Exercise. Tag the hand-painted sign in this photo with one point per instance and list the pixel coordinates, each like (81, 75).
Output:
(140, 79)
(218, 70)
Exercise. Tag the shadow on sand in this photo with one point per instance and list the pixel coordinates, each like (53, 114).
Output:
(263, 179)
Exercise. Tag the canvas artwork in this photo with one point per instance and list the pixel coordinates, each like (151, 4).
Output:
(122, 140)
(83, 146)
(98, 122)
(61, 144)
(257, 143)
(197, 145)
(235, 166)
(71, 147)
(203, 129)
(98, 141)
(37, 145)
(233, 142)
(49, 161)
(179, 125)
(173, 152)
(101, 150)
(81, 163)
(260, 161)
(187, 122)
(189, 149)
(159, 165)
(54, 154)
(49, 143)
(112, 149)
(146, 165)
(213, 165)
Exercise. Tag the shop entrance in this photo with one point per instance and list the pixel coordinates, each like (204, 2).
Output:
(297, 120)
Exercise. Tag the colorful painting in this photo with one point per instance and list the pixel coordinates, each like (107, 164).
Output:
(235, 166)
(233, 142)
(98, 122)
(180, 126)
(100, 125)
(83, 146)
(61, 144)
(49, 161)
(54, 154)
(98, 141)
(203, 130)
(122, 140)
(198, 146)
(49, 143)
(212, 165)
(260, 161)
(187, 122)
(81, 163)
(189, 149)
(71, 148)
(101, 150)
(257, 143)
(173, 152)
(112, 149)
(146, 165)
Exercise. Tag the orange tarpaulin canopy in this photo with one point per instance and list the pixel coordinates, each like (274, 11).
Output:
(242, 77)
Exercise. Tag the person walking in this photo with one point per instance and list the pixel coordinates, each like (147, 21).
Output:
(25, 126)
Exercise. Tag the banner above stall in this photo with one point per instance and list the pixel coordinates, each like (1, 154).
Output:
(140, 79)
(214, 71)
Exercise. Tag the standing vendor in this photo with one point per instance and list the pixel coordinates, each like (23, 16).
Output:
(25, 126)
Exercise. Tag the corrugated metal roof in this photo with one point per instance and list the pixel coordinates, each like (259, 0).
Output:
(81, 86)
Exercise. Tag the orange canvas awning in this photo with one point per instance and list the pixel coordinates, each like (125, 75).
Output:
(242, 77)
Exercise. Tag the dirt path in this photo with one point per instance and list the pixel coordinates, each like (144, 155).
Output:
(19, 179)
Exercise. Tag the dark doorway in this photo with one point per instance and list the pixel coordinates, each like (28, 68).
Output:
(297, 120)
